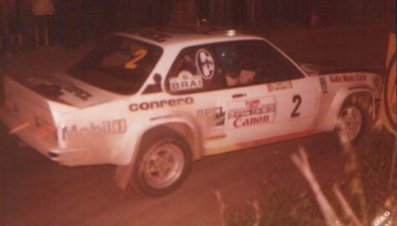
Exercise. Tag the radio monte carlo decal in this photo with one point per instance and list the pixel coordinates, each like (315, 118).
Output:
(348, 78)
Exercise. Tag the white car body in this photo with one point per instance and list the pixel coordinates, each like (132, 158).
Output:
(76, 123)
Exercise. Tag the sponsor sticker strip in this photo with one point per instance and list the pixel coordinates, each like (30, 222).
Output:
(251, 112)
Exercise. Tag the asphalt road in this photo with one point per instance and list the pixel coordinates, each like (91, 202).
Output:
(36, 191)
(39, 192)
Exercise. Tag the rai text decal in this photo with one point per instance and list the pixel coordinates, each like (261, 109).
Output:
(251, 112)
(186, 81)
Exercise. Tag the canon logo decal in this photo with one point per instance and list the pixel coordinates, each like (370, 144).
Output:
(251, 121)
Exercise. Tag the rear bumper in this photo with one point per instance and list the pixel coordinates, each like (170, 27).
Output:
(25, 132)
(50, 149)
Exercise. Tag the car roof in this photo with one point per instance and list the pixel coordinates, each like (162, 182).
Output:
(172, 36)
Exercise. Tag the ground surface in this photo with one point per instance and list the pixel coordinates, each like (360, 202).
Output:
(35, 191)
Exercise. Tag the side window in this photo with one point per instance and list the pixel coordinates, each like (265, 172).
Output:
(194, 70)
(253, 62)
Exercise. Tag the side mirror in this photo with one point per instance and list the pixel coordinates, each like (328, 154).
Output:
(156, 87)
(157, 79)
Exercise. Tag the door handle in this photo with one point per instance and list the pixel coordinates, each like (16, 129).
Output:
(239, 95)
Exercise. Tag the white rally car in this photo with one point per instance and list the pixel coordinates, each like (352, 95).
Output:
(153, 101)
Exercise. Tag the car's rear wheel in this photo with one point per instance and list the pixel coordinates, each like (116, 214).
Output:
(163, 163)
(354, 119)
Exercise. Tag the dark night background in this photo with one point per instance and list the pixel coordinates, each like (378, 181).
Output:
(75, 22)
(79, 20)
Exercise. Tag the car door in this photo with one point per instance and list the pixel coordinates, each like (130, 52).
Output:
(196, 74)
(267, 97)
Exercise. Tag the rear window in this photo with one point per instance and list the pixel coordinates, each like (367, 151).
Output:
(120, 64)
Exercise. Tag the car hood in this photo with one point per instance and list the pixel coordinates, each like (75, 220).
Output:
(315, 69)
(62, 88)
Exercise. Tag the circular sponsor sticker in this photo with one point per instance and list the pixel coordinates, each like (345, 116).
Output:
(205, 63)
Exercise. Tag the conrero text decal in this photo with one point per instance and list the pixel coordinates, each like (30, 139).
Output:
(150, 105)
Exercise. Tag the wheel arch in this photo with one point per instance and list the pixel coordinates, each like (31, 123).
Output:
(192, 134)
(342, 97)
(185, 128)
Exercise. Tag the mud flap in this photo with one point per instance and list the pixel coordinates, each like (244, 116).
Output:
(122, 176)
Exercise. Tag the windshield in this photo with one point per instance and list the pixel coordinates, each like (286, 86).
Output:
(120, 64)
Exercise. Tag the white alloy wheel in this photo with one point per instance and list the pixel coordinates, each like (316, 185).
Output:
(350, 123)
(163, 165)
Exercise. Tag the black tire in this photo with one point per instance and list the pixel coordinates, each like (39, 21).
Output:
(354, 120)
(163, 164)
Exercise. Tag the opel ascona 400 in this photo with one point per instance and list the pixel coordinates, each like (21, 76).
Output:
(153, 101)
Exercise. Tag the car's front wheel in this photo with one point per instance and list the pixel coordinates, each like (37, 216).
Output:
(163, 163)
(354, 119)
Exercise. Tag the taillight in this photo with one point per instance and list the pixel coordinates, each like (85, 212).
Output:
(44, 129)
